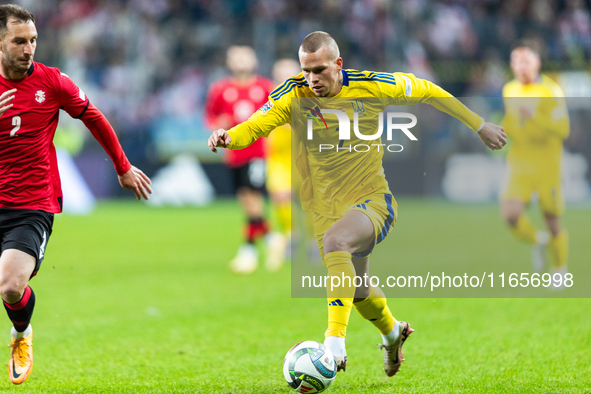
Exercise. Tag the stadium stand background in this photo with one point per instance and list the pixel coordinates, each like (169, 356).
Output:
(147, 64)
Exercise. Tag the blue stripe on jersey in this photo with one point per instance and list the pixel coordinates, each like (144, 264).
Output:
(372, 75)
(289, 89)
(389, 219)
(287, 81)
(387, 224)
(345, 78)
(287, 86)
(373, 79)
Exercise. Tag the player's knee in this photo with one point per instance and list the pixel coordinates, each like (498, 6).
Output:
(12, 291)
(333, 242)
(511, 217)
(553, 224)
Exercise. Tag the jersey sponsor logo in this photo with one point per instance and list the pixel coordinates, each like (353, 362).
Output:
(81, 95)
(40, 96)
(266, 107)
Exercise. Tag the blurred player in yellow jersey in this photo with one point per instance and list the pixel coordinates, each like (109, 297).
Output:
(537, 122)
(348, 193)
(280, 185)
(279, 175)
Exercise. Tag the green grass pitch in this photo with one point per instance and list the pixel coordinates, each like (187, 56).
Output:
(133, 299)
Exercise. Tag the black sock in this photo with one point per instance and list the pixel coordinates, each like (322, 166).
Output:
(20, 313)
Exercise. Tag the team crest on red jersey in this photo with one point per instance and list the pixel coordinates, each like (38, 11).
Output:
(40, 96)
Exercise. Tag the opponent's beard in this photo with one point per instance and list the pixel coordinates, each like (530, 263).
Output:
(11, 65)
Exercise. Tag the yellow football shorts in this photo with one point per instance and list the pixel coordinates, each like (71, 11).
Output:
(380, 208)
(547, 186)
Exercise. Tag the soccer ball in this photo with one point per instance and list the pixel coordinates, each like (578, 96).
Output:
(309, 367)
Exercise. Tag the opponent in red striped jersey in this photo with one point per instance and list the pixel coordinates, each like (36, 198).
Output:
(30, 191)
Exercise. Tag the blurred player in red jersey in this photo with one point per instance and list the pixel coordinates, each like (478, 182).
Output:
(231, 101)
(30, 191)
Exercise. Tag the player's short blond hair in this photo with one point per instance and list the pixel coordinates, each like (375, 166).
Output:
(318, 39)
(20, 15)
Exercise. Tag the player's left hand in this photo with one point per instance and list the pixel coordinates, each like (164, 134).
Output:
(493, 136)
(137, 181)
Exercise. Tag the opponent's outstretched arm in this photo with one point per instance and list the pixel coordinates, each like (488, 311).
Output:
(78, 106)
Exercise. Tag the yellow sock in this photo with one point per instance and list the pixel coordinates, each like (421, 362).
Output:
(374, 309)
(524, 230)
(283, 213)
(340, 297)
(558, 246)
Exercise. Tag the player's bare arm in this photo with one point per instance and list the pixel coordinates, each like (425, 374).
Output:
(5, 99)
(219, 139)
(493, 136)
(136, 180)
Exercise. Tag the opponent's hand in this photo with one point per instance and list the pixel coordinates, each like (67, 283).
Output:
(219, 139)
(493, 136)
(137, 181)
(6, 98)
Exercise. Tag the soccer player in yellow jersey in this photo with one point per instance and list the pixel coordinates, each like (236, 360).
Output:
(347, 192)
(279, 175)
(537, 122)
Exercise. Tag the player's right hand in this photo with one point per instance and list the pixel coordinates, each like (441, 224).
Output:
(493, 136)
(219, 139)
(6, 98)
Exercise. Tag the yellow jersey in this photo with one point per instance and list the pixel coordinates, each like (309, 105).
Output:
(279, 145)
(333, 180)
(536, 120)
(279, 160)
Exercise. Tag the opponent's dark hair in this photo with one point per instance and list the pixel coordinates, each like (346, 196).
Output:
(530, 44)
(8, 11)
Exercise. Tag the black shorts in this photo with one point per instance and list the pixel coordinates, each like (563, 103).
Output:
(27, 230)
(250, 176)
